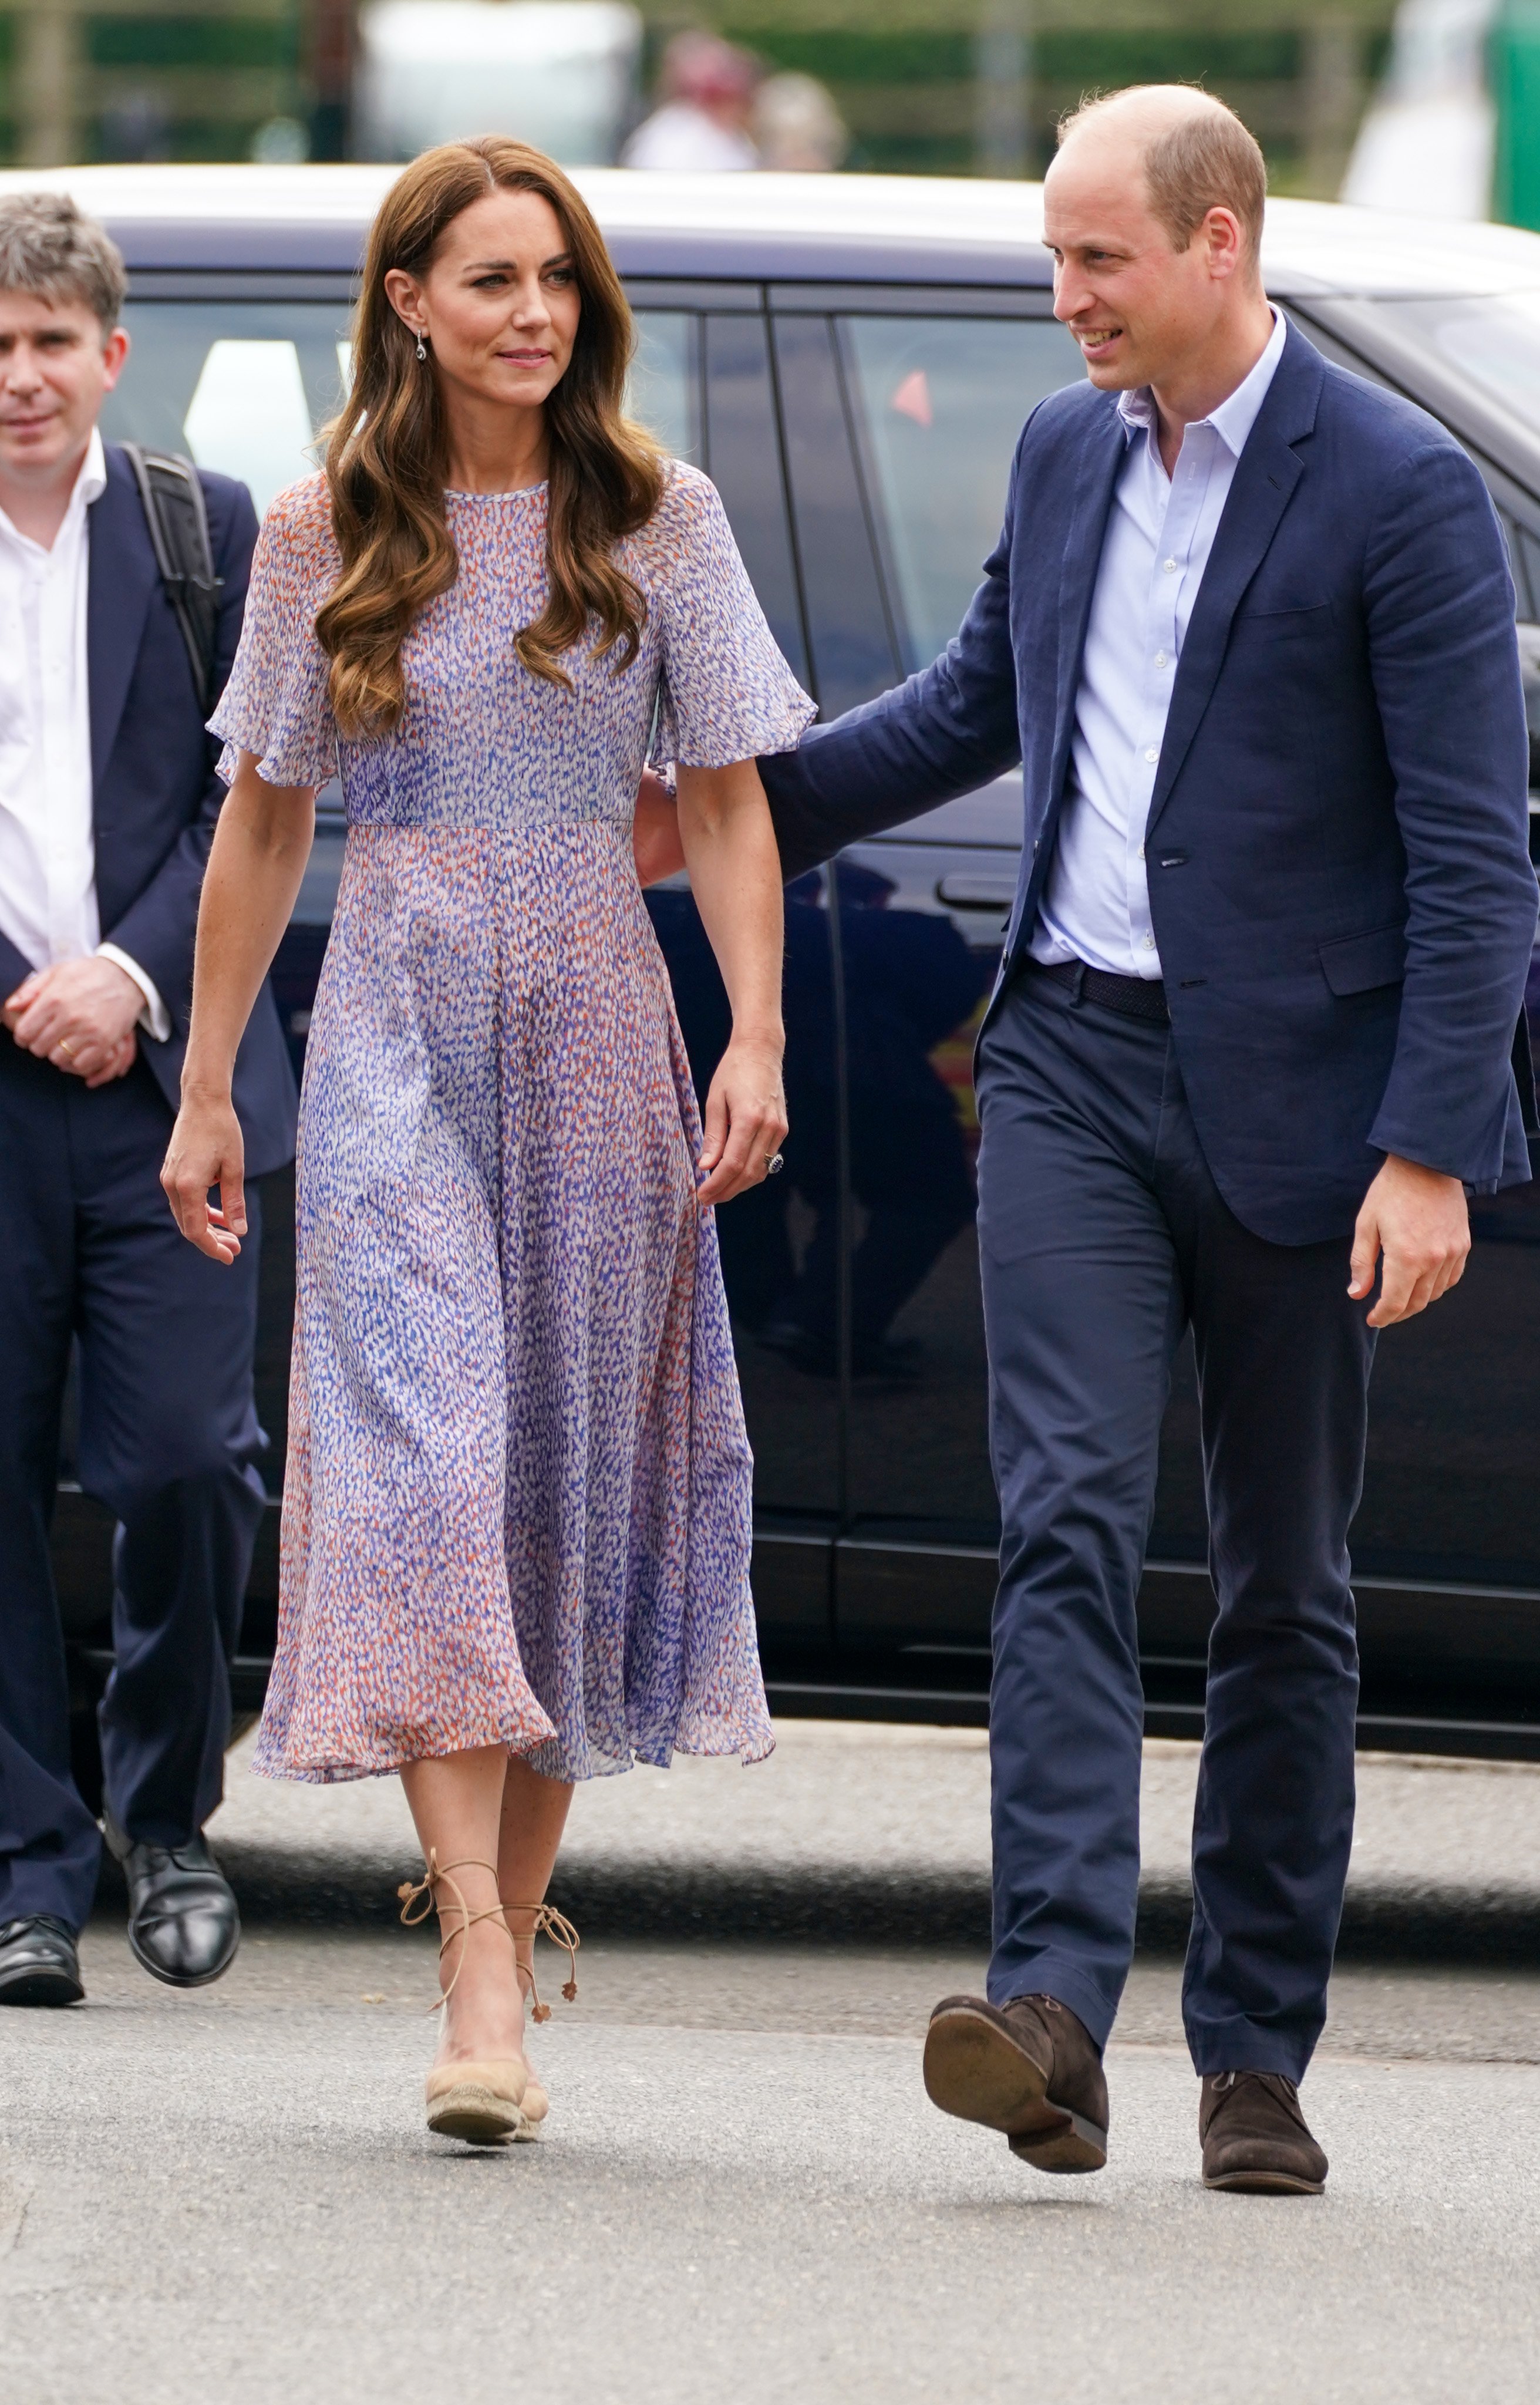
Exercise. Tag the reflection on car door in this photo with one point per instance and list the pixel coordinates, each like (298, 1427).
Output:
(935, 404)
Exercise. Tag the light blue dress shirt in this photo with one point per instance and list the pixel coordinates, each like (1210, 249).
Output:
(1161, 529)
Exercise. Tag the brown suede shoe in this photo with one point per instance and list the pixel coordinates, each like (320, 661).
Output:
(1028, 2068)
(1254, 2137)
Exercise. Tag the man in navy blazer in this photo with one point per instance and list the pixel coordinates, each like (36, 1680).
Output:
(108, 806)
(1250, 631)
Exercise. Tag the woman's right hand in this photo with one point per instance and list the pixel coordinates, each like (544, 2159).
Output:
(207, 1149)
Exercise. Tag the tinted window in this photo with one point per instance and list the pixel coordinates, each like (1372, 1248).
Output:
(743, 456)
(246, 387)
(242, 387)
(939, 403)
(1494, 341)
(854, 651)
(663, 389)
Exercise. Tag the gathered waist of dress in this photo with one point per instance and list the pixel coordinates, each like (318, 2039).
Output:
(594, 829)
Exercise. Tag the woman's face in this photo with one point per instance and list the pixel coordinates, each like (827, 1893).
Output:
(498, 307)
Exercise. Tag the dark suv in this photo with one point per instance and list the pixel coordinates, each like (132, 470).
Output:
(851, 359)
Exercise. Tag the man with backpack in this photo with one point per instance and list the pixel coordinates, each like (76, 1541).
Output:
(122, 586)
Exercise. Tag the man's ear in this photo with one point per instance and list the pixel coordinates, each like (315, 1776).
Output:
(1225, 243)
(115, 351)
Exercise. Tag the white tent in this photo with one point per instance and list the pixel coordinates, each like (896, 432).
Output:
(557, 73)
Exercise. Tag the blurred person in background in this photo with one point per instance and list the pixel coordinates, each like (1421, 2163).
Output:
(701, 124)
(796, 128)
(107, 804)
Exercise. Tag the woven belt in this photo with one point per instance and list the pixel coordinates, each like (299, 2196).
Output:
(1135, 997)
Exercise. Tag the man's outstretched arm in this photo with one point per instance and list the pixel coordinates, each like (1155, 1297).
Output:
(944, 732)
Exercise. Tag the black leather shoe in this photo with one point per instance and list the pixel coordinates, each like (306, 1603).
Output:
(183, 1924)
(1029, 2068)
(38, 1963)
(1254, 2136)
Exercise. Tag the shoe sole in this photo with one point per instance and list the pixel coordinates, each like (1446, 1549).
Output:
(175, 1979)
(975, 2073)
(42, 1987)
(1265, 2183)
(476, 2113)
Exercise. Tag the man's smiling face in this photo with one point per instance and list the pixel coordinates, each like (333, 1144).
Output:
(1135, 307)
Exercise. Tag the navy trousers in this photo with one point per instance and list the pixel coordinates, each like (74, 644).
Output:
(168, 1441)
(1102, 1237)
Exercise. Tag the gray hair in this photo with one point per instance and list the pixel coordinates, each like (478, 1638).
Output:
(49, 246)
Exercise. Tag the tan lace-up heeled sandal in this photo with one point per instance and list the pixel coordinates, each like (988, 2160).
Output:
(481, 2103)
(545, 1921)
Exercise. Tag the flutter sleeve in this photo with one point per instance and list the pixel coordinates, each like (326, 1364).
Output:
(726, 693)
(276, 703)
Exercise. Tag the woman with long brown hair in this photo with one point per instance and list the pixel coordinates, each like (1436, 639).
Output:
(516, 1516)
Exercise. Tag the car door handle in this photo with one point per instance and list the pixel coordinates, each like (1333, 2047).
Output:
(972, 890)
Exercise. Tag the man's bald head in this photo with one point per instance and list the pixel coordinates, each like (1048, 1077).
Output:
(1195, 155)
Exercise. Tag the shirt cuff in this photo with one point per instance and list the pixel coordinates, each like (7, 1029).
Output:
(155, 1018)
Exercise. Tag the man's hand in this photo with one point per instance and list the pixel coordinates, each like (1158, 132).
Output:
(80, 1015)
(1417, 1218)
(655, 837)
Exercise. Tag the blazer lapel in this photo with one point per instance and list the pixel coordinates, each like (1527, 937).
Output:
(120, 580)
(1106, 448)
(1266, 475)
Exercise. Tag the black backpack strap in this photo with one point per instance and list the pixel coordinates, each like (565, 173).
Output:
(177, 519)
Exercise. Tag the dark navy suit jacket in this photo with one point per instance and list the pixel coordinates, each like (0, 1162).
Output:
(1339, 878)
(156, 796)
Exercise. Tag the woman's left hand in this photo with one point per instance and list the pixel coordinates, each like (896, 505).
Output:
(745, 1119)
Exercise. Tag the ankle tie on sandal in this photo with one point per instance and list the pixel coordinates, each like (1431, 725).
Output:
(547, 1922)
(435, 1871)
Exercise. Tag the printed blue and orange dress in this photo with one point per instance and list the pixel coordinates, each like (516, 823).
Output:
(517, 1502)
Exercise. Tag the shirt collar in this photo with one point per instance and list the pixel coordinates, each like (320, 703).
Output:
(90, 485)
(1234, 419)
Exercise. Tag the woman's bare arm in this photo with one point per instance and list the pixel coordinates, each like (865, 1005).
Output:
(735, 875)
(260, 848)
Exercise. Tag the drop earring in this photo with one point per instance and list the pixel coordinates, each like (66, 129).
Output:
(422, 349)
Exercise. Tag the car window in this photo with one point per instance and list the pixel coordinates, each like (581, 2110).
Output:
(1527, 549)
(743, 457)
(242, 387)
(663, 389)
(853, 640)
(1494, 341)
(940, 403)
(246, 387)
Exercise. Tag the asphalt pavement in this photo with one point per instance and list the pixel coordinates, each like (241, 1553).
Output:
(744, 2195)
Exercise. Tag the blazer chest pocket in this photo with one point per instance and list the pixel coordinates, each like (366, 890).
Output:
(1358, 963)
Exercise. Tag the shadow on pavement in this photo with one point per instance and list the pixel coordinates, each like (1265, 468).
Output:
(1468, 1926)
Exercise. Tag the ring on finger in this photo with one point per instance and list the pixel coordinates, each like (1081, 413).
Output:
(774, 1164)
(66, 1046)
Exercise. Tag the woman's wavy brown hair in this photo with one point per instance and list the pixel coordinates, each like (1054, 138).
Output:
(387, 452)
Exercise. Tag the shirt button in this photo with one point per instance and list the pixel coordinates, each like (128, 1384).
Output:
(1160, 659)
(1149, 942)
(1152, 755)
(1169, 566)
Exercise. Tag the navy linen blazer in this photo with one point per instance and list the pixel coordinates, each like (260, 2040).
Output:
(155, 796)
(1339, 878)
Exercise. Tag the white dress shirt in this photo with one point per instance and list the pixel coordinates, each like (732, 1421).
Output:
(48, 849)
(1096, 906)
